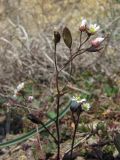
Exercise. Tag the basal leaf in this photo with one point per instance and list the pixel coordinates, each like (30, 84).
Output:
(51, 115)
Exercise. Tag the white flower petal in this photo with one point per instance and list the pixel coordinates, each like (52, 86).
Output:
(20, 86)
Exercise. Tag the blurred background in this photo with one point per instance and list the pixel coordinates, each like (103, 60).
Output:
(26, 33)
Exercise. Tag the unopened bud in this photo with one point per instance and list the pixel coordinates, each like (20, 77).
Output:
(57, 37)
(96, 42)
(83, 25)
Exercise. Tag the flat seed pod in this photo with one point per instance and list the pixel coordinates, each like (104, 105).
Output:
(67, 37)
(117, 142)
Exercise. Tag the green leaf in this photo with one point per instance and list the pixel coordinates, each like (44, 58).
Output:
(110, 90)
(51, 115)
(117, 142)
(67, 37)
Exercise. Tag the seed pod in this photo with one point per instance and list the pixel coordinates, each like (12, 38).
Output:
(67, 37)
(57, 37)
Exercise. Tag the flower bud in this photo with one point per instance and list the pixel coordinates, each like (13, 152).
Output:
(96, 42)
(57, 37)
(83, 25)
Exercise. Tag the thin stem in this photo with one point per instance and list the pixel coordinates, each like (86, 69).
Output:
(73, 56)
(80, 40)
(43, 125)
(85, 41)
(74, 134)
(58, 105)
(70, 62)
(58, 130)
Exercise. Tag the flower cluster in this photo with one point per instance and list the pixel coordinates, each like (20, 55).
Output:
(91, 29)
(18, 89)
(78, 104)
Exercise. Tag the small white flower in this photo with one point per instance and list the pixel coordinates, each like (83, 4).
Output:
(83, 25)
(20, 86)
(77, 99)
(86, 106)
(30, 98)
(83, 100)
(79, 104)
(18, 89)
(84, 22)
(93, 28)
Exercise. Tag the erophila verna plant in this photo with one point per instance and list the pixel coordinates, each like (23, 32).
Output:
(77, 105)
